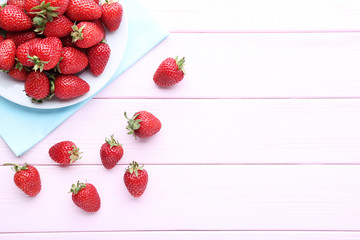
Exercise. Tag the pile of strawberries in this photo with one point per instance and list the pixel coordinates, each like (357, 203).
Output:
(46, 43)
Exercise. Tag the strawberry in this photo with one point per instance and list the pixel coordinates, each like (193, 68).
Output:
(70, 86)
(99, 24)
(169, 72)
(22, 52)
(19, 3)
(65, 152)
(59, 27)
(29, 5)
(46, 53)
(21, 37)
(83, 10)
(98, 58)
(51, 8)
(72, 61)
(27, 178)
(111, 152)
(136, 179)
(112, 13)
(18, 73)
(13, 19)
(37, 86)
(86, 197)
(7, 54)
(86, 34)
(143, 124)
(67, 42)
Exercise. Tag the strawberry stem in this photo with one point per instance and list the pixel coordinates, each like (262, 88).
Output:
(77, 32)
(180, 63)
(76, 188)
(134, 168)
(112, 141)
(74, 154)
(47, 12)
(16, 167)
(133, 124)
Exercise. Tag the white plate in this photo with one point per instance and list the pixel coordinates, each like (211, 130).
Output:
(13, 90)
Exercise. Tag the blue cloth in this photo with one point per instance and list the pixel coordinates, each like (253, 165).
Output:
(22, 127)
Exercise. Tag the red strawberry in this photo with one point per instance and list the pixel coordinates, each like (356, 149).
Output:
(112, 13)
(60, 27)
(86, 197)
(29, 5)
(22, 52)
(52, 8)
(111, 152)
(70, 86)
(136, 179)
(97, 1)
(98, 58)
(99, 24)
(27, 178)
(7, 54)
(86, 34)
(46, 53)
(19, 3)
(83, 10)
(72, 61)
(37, 86)
(143, 124)
(21, 37)
(169, 72)
(13, 19)
(65, 152)
(18, 73)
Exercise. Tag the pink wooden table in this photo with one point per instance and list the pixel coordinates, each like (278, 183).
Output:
(260, 141)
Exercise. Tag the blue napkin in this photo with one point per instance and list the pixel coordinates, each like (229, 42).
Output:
(23, 127)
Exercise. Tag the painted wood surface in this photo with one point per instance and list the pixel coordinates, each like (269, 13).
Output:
(216, 131)
(190, 197)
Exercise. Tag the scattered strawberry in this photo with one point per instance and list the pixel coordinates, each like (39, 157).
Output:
(65, 152)
(7, 54)
(83, 10)
(136, 179)
(19, 3)
(112, 13)
(13, 19)
(27, 178)
(169, 72)
(46, 53)
(86, 34)
(60, 27)
(37, 86)
(18, 73)
(86, 197)
(111, 152)
(22, 52)
(143, 124)
(21, 37)
(70, 86)
(72, 61)
(98, 58)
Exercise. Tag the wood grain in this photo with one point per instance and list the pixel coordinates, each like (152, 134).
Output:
(190, 197)
(214, 131)
(257, 15)
(180, 235)
(297, 65)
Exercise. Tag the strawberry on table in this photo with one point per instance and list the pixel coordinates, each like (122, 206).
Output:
(86, 34)
(21, 37)
(112, 13)
(70, 86)
(37, 86)
(111, 152)
(72, 61)
(143, 124)
(83, 10)
(27, 178)
(136, 179)
(7, 54)
(98, 58)
(65, 152)
(169, 72)
(86, 197)
(14, 19)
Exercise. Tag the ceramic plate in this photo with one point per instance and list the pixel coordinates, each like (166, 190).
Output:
(13, 90)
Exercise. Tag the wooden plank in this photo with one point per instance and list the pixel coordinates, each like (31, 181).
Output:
(191, 197)
(278, 65)
(180, 235)
(213, 131)
(257, 15)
